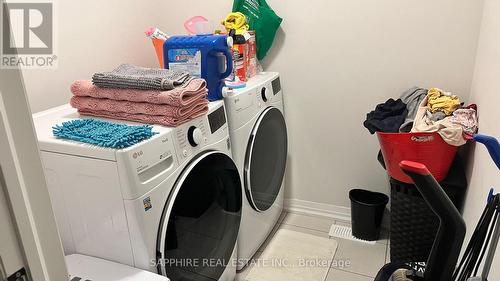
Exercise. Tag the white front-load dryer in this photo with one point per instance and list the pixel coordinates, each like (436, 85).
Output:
(170, 205)
(259, 136)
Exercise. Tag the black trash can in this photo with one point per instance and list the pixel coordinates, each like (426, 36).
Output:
(367, 211)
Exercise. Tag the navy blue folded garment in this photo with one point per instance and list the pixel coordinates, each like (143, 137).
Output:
(387, 117)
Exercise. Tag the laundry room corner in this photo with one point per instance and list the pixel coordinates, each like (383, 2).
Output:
(485, 88)
(321, 85)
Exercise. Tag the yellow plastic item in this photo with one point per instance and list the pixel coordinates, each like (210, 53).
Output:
(236, 21)
(438, 100)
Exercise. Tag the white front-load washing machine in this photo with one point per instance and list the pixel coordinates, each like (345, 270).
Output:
(170, 204)
(259, 136)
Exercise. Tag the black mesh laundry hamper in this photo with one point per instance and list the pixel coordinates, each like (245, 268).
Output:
(413, 224)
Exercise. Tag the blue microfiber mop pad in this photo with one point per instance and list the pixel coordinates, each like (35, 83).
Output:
(103, 133)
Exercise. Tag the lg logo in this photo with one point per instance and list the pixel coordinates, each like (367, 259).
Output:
(31, 28)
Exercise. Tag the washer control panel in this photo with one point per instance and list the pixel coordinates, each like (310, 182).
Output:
(147, 164)
(191, 137)
(195, 136)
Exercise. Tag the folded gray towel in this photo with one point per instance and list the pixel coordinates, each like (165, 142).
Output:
(134, 77)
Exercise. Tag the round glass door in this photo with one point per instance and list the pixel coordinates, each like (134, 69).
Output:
(265, 159)
(201, 220)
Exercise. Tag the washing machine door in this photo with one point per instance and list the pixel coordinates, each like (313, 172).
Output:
(201, 220)
(265, 159)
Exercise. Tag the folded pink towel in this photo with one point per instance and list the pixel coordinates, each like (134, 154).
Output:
(180, 96)
(143, 118)
(118, 106)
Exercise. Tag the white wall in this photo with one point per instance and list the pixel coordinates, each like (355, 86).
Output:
(486, 93)
(93, 36)
(338, 59)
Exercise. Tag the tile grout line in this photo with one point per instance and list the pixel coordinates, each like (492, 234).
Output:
(359, 274)
(304, 227)
(331, 261)
(328, 273)
(386, 250)
(336, 251)
(327, 232)
(332, 269)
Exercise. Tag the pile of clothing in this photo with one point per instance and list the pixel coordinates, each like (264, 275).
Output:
(443, 112)
(396, 115)
(145, 95)
(421, 110)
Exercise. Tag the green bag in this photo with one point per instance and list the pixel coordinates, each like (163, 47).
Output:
(262, 19)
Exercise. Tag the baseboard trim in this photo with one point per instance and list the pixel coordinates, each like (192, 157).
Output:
(317, 209)
(326, 210)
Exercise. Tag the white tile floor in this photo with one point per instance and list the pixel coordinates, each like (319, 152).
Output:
(365, 259)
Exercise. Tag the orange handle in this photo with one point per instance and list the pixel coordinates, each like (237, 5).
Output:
(158, 44)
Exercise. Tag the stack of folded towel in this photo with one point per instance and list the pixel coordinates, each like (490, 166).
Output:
(153, 96)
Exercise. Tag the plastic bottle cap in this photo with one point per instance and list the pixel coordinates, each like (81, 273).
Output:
(203, 27)
(149, 31)
(230, 41)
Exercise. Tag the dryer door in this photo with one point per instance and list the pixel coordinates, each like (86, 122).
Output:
(265, 159)
(201, 220)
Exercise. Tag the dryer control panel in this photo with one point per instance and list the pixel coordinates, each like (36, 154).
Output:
(261, 91)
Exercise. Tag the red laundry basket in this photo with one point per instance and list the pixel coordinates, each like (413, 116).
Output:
(427, 148)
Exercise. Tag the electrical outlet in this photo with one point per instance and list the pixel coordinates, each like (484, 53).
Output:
(19, 275)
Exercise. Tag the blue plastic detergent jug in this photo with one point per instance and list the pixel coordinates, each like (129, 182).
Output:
(202, 56)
